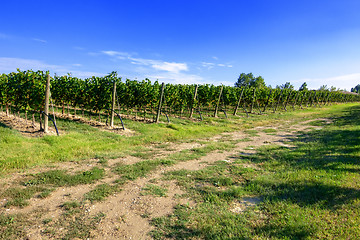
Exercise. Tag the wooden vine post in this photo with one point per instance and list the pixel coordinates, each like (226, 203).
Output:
(113, 105)
(252, 101)
(218, 102)
(192, 106)
(160, 101)
(46, 110)
(238, 104)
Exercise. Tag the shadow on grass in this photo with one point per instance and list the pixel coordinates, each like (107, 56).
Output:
(318, 167)
(306, 194)
(351, 117)
(3, 125)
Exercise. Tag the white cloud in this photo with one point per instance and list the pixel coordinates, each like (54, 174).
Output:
(110, 53)
(39, 40)
(11, 64)
(171, 67)
(215, 58)
(160, 65)
(116, 54)
(77, 65)
(177, 78)
(210, 65)
(157, 69)
(343, 82)
(154, 64)
(143, 61)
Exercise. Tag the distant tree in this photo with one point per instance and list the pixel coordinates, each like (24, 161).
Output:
(332, 89)
(258, 82)
(244, 80)
(248, 80)
(356, 88)
(324, 87)
(303, 87)
(287, 85)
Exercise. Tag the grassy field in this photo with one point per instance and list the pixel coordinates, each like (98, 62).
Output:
(309, 190)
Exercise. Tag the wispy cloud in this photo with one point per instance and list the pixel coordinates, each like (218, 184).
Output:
(210, 65)
(171, 66)
(160, 65)
(343, 82)
(39, 40)
(116, 54)
(11, 64)
(178, 78)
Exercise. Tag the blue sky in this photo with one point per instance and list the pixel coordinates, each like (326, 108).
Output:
(181, 41)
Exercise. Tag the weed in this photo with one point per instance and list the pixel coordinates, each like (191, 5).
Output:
(269, 130)
(70, 205)
(18, 196)
(46, 221)
(101, 192)
(251, 133)
(12, 226)
(151, 189)
(59, 178)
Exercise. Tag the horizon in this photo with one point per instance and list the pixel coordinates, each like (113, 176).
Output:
(201, 42)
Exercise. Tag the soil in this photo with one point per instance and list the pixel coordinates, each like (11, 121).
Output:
(104, 126)
(128, 213)
(29, 129)
(24, 127)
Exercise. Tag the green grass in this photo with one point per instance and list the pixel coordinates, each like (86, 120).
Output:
(79, 141)
(101, 192)
(269, 130)
(155, 190)
(252, 133)
(60, 178)
(11, 226)
(308, 192)
(19, 196)
(71, 205)
(44, 183)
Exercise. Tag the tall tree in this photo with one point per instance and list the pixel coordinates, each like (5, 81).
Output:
(248, 80)
(356, 88)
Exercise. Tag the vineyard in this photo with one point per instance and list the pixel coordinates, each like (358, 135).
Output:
(234, 163)
(24, 91)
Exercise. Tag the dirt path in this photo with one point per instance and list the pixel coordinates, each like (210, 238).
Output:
(131, 205)
(128, 212)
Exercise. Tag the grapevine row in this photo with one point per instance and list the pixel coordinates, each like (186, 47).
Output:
(25, 90)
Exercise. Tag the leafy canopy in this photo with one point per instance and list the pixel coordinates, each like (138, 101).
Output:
(248, 80)
(356, 88)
